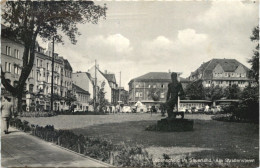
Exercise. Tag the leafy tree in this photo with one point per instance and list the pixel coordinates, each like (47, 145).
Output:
(102, 102)
(70, 98)
(255, 58)
(232, 92)
(27, 20)
(195, 90)
(249, 107)
(154, 94)
(213, 93)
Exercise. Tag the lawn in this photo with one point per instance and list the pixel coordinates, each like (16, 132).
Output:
(210, 139)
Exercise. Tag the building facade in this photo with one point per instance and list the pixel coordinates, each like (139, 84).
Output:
(84, 81)
(124, 95)
(222, 72)
(82, 97)
(114, 87)
(38, 85)
(141, 88)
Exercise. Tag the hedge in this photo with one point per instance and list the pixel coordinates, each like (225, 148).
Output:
(95, 147)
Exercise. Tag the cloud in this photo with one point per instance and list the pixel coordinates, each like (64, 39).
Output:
(111, 48)
(228, 13)
(190, 37)
(229, 26)
(176, 53)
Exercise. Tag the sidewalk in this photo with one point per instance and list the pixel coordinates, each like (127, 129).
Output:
(20, 149)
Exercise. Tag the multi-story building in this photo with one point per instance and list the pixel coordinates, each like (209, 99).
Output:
(222, 72)
(38, 84)
(140, 88)
(82, 97)
(124, 95)
(114, 87)
(84, 81)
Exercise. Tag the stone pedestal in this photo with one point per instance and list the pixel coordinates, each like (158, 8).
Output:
(172, 125)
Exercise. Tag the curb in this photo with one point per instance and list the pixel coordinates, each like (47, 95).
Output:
(98, 161)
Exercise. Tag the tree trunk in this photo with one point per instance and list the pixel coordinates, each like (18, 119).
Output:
(19, 102)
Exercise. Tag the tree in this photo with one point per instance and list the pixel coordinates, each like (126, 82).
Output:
(27, 20)
(213, 93)
(254, 61)
(154, 94)
(195, 90)
(102, 102)
(249, 107)
(232, 92)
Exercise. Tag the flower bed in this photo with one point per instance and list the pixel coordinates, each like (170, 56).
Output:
(80, 113)
(229, 118)
(37, 114)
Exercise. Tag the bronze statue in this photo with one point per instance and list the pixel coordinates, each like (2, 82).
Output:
(174, 90)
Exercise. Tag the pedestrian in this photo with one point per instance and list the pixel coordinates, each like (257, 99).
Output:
(7, 110)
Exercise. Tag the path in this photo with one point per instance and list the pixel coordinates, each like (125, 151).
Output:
(20, 149)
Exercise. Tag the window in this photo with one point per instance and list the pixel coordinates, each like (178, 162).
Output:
(41, 63)
(162, 86)
(15, 83)
(31, 88)
(137, 86)
(8, 50)
(9, 67)
(162, 95)
(154, 86)
(6, 67)
(15, 67)
(140, 94)
(37, 62)
(37, 77)
(16, 53)
(149, 86)
(47, 66)
(32, 74)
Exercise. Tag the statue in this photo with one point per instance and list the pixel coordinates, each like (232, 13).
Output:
(174, 90)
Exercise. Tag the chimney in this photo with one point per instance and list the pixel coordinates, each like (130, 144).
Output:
(169, 71)
(105, 71)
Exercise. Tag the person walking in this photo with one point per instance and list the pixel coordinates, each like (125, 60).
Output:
(7, 110)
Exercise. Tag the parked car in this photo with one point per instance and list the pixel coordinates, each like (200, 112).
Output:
(126, 109)
(182, 109)
(194, 109)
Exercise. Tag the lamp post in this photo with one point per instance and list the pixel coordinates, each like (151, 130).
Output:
(52, 77)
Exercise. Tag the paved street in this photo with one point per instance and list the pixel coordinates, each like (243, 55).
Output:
(20, 149)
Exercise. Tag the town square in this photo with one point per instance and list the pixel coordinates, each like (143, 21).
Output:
(129, 84)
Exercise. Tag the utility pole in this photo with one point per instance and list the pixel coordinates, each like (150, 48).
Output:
(95, 85)
(52, 77)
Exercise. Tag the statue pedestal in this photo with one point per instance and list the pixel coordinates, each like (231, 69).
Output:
(174, 125)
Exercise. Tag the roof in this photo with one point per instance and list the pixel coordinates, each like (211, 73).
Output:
(67, 65)
(79, 89)
(155, 76)
(110, 77)
(228, 65)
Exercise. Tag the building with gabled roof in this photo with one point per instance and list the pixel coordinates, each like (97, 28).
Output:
(84, 81)
(82, 96)
(222, 72)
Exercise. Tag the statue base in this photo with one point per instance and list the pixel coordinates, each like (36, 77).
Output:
(172, 125)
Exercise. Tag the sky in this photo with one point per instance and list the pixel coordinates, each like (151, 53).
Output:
(162, 36)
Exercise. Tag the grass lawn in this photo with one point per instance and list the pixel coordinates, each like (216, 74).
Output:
(210, 139)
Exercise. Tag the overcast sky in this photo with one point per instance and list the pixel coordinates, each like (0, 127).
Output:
(141, 37)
